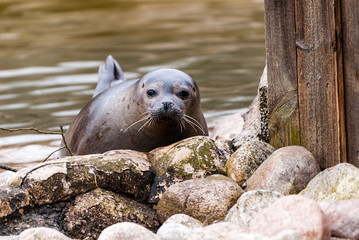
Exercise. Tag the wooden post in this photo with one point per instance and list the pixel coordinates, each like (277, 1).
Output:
(350, 26)
(311, 100)
(283, 122)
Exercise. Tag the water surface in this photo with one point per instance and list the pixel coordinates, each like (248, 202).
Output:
(51, 50)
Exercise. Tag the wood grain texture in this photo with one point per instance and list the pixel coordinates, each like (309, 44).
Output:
(319, 81)
(282, 74)
(350, 26)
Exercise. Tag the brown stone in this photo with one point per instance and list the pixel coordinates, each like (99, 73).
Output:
(94, 211)
(204, 199)
(12, 199)
(288, 171)
(247, 158)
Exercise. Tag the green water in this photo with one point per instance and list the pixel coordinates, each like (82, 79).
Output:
(51, 50)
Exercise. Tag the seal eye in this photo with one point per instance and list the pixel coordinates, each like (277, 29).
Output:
(183, 94)
(151, 93)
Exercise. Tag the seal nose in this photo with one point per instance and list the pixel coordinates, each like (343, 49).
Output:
(166, 106)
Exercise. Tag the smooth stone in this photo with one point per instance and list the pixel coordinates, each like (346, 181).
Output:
(284, 235)
(173, 231)
(127, 231)
(288, 171)
(293, 212)
(287, 235)
(228, 128)
(94, 211)
(249, 205)
(184, 219)
(255, 125)
(342, 217)
(178, 227)
(340, 182)
(246, 159)
(221, 230)
(194, 157)
(42, 233)
(207, 200)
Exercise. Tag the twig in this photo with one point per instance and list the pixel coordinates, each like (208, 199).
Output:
(209, 218)
(53, 153)
(43, 132)
(8, 168)
(30, 129)
(64, 141)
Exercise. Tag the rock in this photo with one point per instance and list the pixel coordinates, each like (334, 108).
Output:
(12, 199)
(178, 227)
(288, 171)
(194, 157)
(204, 199)
(94, 211)
(42, 234)
(173, 231)
(342, 217)
(292, 212)
(255, 125)
(127, 231)
(13, 237)
(243, 163)
(287, 235)
(228, 128)
(336, 183)
(249, 205)
(184, 219)
(121, 171)
(49, 216)
(221, 230)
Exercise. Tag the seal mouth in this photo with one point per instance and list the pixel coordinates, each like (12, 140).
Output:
(166, 118)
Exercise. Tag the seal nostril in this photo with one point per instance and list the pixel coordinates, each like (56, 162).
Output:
(166, 105)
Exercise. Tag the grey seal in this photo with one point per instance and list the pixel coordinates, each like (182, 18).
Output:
(159, 109)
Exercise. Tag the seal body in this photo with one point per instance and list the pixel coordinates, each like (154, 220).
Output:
(159, 109)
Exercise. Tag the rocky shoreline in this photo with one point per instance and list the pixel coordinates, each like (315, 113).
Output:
(233, 185)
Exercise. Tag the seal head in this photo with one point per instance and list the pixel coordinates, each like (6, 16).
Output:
(168, 97)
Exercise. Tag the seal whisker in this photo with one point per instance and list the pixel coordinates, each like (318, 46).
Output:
(148, 122)
(193, 122)
(141, 120)
(181, 123)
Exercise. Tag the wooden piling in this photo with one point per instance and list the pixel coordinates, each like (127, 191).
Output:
(313, 71)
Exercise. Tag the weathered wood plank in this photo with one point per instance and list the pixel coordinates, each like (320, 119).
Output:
(320, 100)
(350, 26)
(282, 75)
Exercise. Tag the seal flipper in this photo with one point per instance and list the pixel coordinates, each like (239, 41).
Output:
(109, 74)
